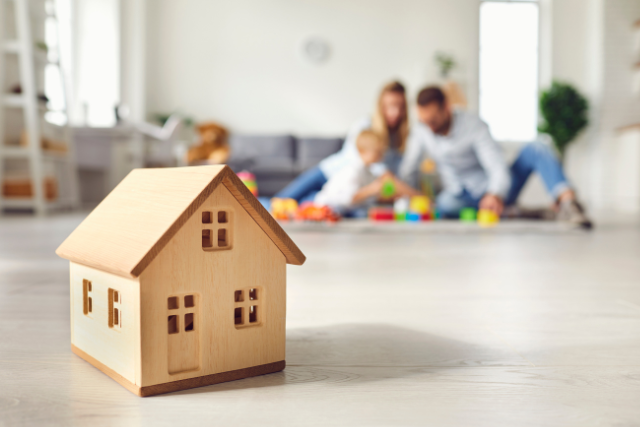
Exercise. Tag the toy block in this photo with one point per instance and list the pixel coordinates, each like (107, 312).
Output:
(468, 215)
(249, 180)
(413, 217)
(487, 218)
(419, 204)
(388, 189)
(309, 211)
(283, 209)
(178, 280)
(381, 214)
(400, 208)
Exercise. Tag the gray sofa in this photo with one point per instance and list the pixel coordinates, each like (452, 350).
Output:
(277, 160)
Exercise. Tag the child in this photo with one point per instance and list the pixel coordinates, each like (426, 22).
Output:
(357, 186)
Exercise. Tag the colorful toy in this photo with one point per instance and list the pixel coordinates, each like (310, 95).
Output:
(284, 209)
(249, 180)
(468, 215)
(178, 281)
(388, 189)
(381, 214)
(413, 217)
(487, 218)
(400, 208)
(419, 205)
(309, 211)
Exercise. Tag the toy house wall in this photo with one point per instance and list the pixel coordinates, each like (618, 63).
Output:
(184, 268)
(116, 347)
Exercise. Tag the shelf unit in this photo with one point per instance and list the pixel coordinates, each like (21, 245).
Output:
(38, 160)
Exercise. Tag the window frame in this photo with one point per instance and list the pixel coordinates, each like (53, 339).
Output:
(245, 303)
(211, 226)
(181, 310)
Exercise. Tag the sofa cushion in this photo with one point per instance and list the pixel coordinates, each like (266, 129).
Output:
(310, 151)
(262, 154)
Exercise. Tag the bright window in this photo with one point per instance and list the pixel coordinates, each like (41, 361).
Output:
(97, 65)
(509, 69)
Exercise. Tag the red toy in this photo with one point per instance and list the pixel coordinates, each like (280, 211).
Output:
(381, 214)
(310, 212)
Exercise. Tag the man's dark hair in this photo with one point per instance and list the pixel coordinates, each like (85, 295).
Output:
(429, 95)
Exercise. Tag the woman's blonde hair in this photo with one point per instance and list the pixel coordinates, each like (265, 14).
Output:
(379, 124)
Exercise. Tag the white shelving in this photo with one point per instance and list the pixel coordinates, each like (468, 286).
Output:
(39, 160)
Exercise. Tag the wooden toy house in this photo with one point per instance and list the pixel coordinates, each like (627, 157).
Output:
(178, 280)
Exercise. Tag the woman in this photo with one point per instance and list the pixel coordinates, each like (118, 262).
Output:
(390, 121)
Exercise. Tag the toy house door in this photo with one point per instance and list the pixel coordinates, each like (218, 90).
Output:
(183, 343)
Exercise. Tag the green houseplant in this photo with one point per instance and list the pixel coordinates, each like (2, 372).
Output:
(564, 114)
(446, 63)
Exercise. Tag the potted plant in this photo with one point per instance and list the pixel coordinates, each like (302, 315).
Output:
(446, 63)
(564, 114)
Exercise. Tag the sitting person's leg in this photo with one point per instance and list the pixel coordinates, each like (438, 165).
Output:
(536, 157)
(308, 182)
(309, 197)
(450, 204)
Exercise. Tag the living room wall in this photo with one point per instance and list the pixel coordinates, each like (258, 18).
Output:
(240, 62)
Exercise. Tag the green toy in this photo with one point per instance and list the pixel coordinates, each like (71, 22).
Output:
(388, 189)
(468, 215)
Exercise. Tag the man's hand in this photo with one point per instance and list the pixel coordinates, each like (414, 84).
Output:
(493, 203)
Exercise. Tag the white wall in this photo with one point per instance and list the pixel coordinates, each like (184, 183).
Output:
(239, 62)
(594, 49)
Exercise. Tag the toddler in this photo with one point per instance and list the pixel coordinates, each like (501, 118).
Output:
(357, 186)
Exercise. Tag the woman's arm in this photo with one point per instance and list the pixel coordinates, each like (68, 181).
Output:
(403, 189)
(413, 155)
(372, 190)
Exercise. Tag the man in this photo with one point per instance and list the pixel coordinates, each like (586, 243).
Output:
(472, 166)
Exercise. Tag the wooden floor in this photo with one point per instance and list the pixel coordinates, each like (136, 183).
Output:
(439, 324)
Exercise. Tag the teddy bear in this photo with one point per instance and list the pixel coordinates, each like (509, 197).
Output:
(212, 147)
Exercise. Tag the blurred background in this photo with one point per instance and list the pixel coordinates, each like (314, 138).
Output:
(94, 88)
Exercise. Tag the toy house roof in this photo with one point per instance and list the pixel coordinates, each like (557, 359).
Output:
(139, 217)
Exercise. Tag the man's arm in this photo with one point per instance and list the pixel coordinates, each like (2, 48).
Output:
(492, 161)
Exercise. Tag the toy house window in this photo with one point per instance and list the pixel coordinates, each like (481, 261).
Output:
(87, 301)
(173, 324)
(217, 230)
(183, 307)
(248, 312)
(115, 309)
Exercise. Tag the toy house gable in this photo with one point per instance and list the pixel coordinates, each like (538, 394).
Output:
(212, 307)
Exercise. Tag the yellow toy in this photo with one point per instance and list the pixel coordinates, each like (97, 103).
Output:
(419, 205)
(283, 209)
(487, 218)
